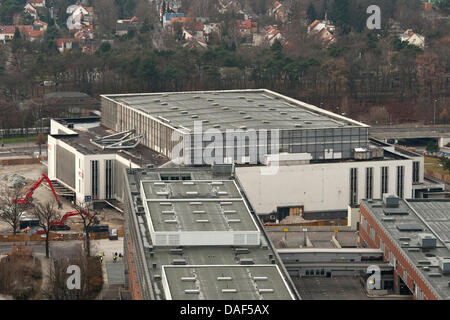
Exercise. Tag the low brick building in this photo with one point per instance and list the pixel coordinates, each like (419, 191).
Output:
(414, 236)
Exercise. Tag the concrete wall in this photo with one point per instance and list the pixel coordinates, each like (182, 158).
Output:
(318, 187)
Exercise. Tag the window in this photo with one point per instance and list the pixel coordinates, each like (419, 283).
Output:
(384, 180)
(372, 234)
(109, 179)
(415, 174)
(369, 183)
(400, 176)
(353, 186)
(363, 222)
(94, 177)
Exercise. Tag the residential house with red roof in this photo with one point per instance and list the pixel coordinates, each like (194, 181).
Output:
(246, 27)
(324, 29)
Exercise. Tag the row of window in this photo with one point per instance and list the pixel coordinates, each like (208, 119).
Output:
(418, 293)
(369, 183)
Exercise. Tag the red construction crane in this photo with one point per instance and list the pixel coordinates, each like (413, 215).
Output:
(35, 186)
(61, 223)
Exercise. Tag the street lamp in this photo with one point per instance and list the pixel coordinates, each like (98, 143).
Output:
(434, 113)
(304, 236)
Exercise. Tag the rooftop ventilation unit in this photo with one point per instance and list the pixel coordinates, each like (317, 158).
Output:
(188, 278)
(390, 200)
(224, 278)
(435, 275)
(246, 261)
(427, 240)
(265, 290)
(176, 251)
(444, 265)
(191, 291)
(395, 212)
(409, 227)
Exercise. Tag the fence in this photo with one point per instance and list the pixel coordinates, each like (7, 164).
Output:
(54, 236)
(22, 132)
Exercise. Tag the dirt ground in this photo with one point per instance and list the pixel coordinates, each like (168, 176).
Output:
(42, 194)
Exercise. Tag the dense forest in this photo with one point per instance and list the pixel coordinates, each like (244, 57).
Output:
(367, 74)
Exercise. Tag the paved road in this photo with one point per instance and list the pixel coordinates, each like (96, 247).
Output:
(399, 132)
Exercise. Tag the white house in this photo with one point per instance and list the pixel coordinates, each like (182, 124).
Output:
(413, 38)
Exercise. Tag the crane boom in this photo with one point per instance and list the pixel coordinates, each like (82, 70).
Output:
(35, 186)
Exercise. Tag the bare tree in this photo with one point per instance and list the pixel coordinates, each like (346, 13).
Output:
(91, 277)
(11, 210)
(88, 218)
(46, 214)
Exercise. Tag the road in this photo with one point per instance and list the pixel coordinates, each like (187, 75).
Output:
(405, 132)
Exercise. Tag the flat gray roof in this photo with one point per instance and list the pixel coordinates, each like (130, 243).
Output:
(226, 282)
(432, 217)
(87, 131)
(436, 214)
(209, 262)
(233, 109)
(197, 206)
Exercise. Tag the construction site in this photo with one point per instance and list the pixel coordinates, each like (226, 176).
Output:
(67, 231)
